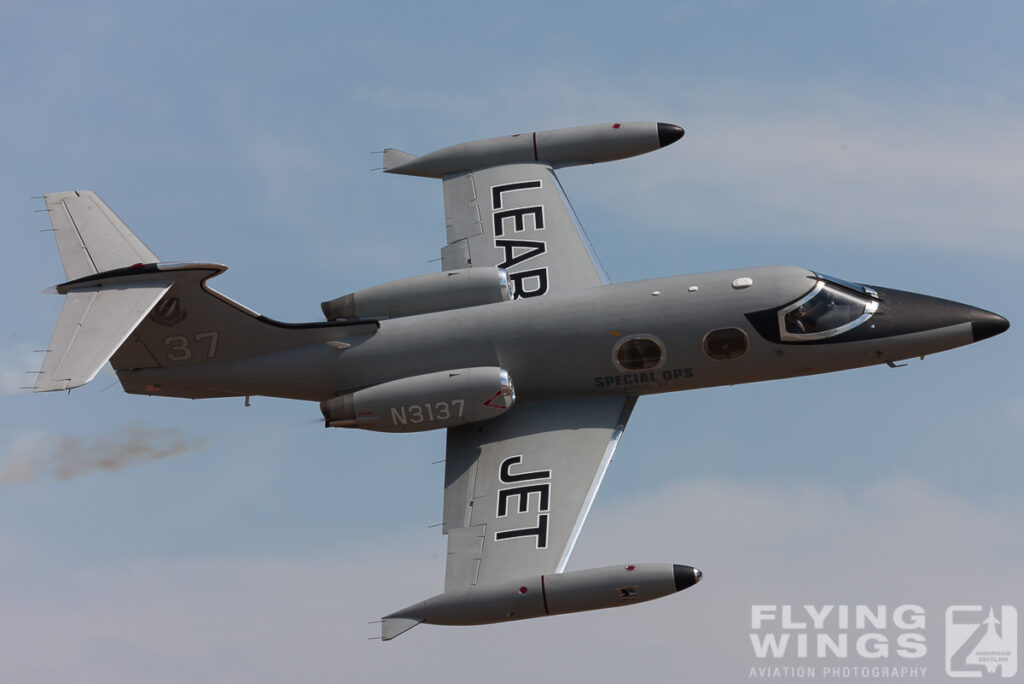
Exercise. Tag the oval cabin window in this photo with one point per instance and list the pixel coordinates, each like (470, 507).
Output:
(639, 353)
(727, 343)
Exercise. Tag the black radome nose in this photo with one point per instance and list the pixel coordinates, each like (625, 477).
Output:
(668, 134)
(685, 576)
(985, 324)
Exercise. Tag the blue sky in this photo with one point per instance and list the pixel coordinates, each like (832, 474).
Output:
(880, 142)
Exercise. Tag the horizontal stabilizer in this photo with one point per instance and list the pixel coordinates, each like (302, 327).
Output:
(94, 322)
(90, 237)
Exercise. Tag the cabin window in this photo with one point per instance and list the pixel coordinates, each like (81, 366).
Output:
(727, 343)
(639, 353)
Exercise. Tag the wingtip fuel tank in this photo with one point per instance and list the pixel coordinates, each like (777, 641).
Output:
(561, 147)
(540, 595)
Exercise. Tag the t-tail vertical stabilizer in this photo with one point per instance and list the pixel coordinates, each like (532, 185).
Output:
(112, 284)
(155, 322)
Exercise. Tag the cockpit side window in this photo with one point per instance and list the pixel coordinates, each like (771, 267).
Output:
(827, 310)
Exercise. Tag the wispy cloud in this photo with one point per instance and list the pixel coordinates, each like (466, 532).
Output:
(893, 169)
(300, 616)
(36, 455)
(889, 174)
(285, 167)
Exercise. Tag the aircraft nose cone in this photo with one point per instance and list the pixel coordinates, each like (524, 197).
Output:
(685, 576)
(668, 134)
(985, 324)
(907, 312)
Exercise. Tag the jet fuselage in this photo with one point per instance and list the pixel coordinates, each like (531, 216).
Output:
(565, 345)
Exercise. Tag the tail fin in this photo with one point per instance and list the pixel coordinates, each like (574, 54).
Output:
(90, 237)
(154, 322)
(99, 312)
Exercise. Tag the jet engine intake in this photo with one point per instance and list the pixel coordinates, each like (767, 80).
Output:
(424, 402)
(455, 289)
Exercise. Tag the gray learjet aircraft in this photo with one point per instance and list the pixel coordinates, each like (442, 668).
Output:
(521, 348)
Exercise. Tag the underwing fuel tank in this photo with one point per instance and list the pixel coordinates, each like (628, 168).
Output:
(558, 148)
(555, 594)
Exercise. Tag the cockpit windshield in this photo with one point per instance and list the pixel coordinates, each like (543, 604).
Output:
(829, 309)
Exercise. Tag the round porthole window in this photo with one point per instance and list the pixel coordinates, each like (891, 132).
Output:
(640, 352)
(727, 343)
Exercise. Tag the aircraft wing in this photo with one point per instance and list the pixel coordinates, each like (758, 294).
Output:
(516, 217)
(518, 488)
(504, 205)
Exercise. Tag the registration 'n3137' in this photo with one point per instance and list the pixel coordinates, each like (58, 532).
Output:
(429, 411)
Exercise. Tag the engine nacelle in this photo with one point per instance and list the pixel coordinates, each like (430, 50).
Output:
(453, 289)
(424, 402)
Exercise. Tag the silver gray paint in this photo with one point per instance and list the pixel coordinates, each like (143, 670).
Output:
(553, 346)
(544, 458)
(531, 597)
